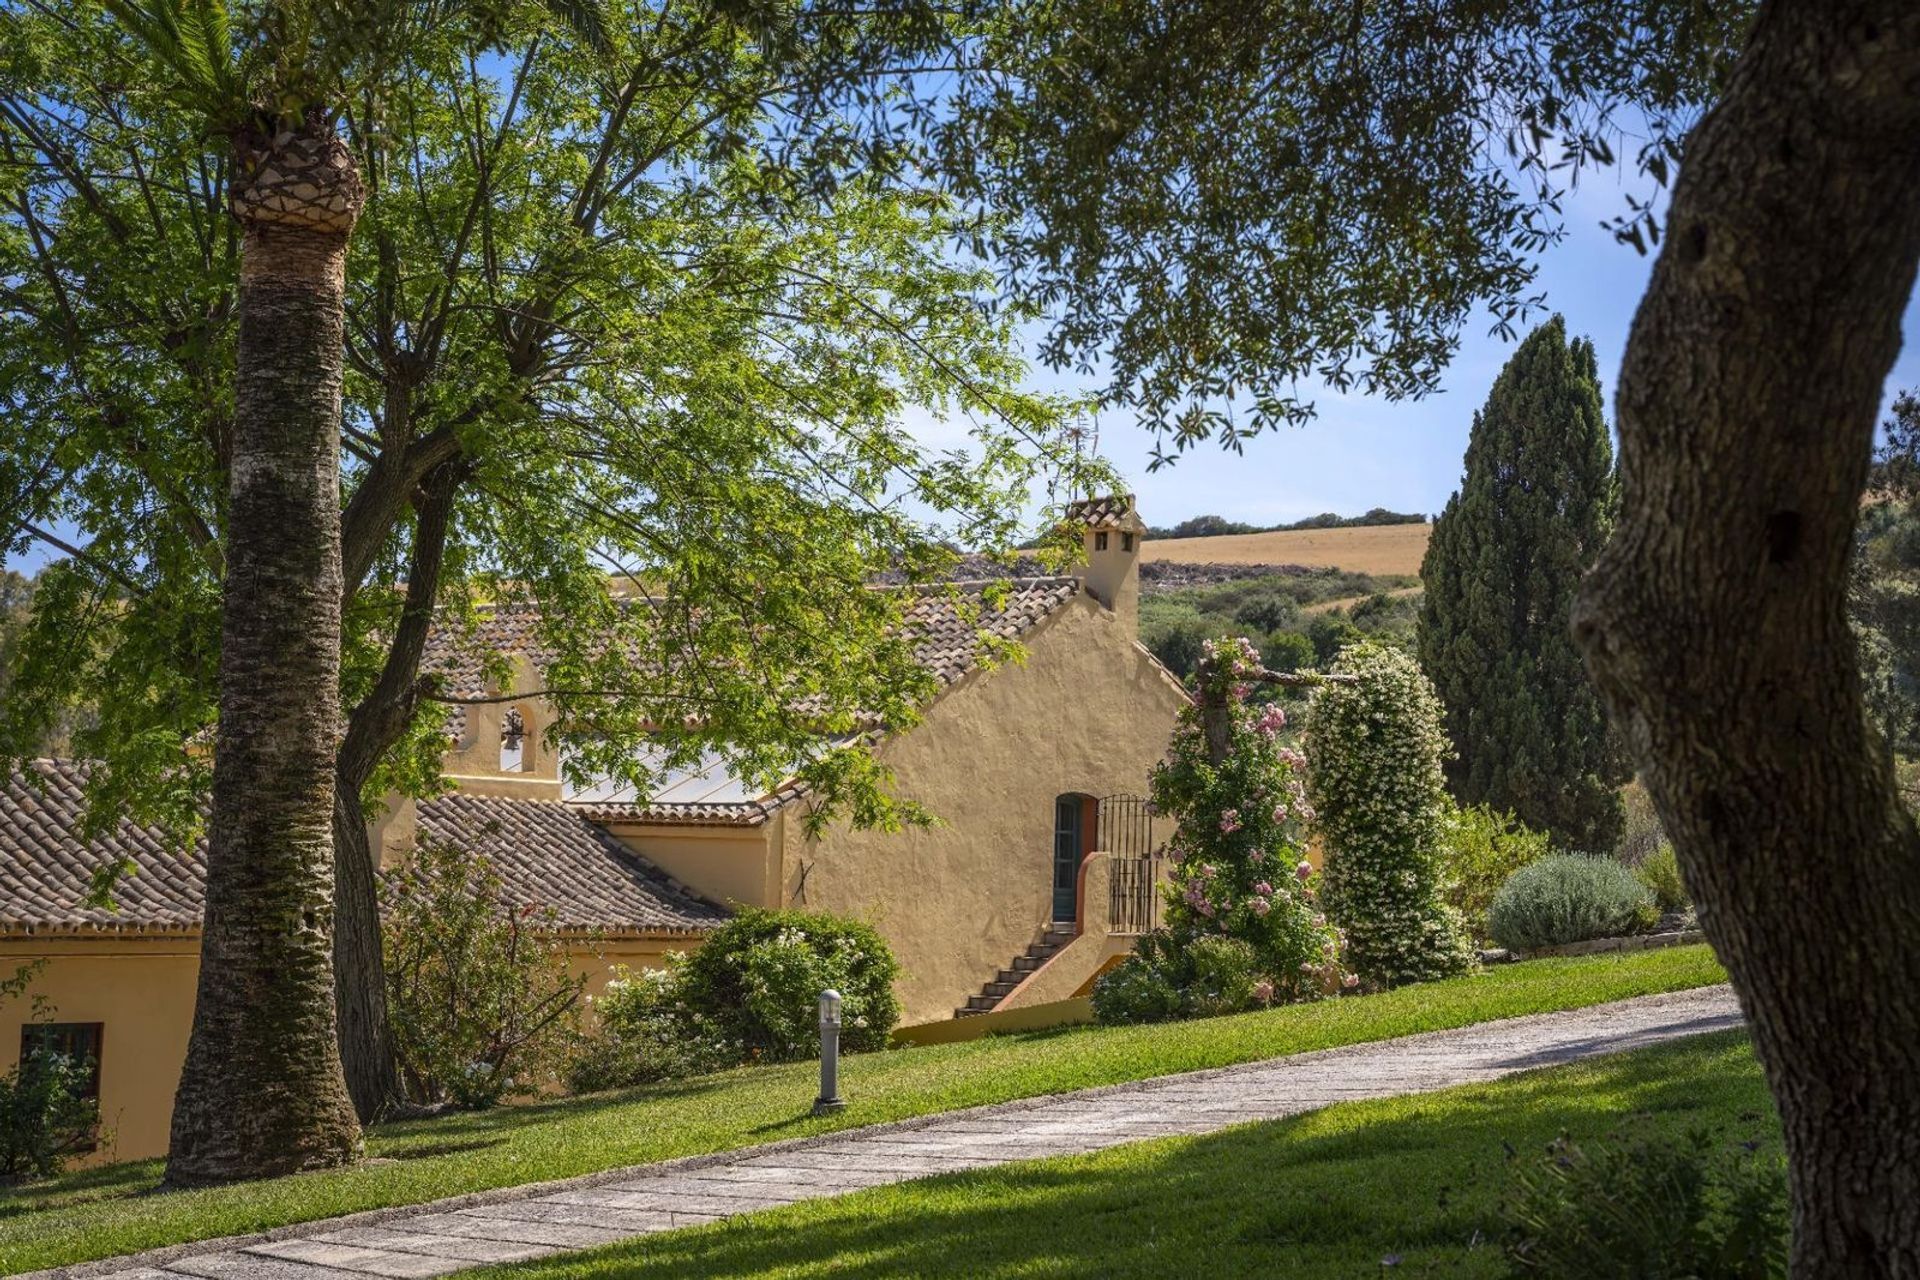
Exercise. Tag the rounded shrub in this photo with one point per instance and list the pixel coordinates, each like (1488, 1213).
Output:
(1167, 977)
(1569, 897)
(1373, 775)
(757, 978)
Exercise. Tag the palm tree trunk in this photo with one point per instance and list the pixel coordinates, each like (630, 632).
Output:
(1715, 622)
(262, 1093)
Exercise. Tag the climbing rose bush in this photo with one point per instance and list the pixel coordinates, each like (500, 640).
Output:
(1374, 749)
(1240, 875)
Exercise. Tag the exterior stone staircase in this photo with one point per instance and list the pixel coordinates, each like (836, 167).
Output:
(1055, 937)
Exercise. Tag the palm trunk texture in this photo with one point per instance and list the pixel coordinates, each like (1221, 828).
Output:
(262, 1093)
(1715, 622)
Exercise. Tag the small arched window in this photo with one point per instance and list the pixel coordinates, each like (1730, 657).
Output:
(516, 756)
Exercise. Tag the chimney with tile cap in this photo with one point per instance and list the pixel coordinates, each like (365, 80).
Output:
(1112, 532)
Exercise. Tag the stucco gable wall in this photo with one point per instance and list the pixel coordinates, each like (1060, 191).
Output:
(1089, 712)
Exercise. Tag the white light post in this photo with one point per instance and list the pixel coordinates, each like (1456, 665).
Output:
(829, 1099)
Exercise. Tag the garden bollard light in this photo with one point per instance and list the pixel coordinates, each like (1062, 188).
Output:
(829, 1099)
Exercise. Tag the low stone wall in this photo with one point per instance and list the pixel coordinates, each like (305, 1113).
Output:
(1595, 946)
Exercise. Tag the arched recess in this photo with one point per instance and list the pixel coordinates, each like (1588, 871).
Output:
(1074, 820)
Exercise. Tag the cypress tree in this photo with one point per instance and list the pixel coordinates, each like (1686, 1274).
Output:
(1507, 555)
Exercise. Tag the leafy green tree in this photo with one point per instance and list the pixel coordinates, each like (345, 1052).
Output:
(1230, 197)
(1501, 572)
(633, 315)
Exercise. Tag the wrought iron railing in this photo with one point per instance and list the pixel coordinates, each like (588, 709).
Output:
(1134, 888)
(1125, 835)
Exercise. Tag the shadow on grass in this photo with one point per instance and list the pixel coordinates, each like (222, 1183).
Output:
(1413, 1184)
(107, 1182)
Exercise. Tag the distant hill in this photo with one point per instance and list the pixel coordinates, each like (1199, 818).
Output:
(1221, 527)
(1375, 549)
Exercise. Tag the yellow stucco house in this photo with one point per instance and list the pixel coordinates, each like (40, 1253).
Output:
(1039, 874)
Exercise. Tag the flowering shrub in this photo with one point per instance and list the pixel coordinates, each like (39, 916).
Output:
(643, 1032)
(1239, 874)
(483, 1001)
(758, 978)
(1374, 752)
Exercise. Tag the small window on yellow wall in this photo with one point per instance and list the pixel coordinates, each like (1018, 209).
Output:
(80, 1044)
(1099, 542)
(1126, 542)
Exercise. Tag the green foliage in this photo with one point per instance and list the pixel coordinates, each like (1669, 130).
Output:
(1241, 242)
(1651, 1209)
(1660, 872)
(1505, 560)
(1269, 611)
(1330, 633)
(1374, 749)
(1287, 651)
(482, 999)
(1883, 598)
(756, 981)
(1569, 897)
(1239, 874)
(45, 1117)
(1483, 850)
(1164, 979)
(1176, 638)
(659, 304)
(643, 1033)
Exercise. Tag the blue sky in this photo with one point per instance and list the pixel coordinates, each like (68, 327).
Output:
(1406, 456)
(1362, 452)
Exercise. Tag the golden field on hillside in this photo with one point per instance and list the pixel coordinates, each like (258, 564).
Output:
(1383, 548)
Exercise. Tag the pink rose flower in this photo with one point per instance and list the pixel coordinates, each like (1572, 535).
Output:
(1260, 907)
(1279, 813)
(1257, 857)
(1264, 889)
(1229, 822)
(1263, 991)
(1351, 981)
(1304, 870)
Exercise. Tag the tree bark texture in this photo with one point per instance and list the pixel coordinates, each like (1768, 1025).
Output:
(1715, 622)
(359, 966)
(261, 1093)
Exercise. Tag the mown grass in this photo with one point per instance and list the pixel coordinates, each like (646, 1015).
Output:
(105, 1212)
(1405, 1187)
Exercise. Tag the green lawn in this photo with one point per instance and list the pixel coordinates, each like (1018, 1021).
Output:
(105, 1212)
(1410, 1185)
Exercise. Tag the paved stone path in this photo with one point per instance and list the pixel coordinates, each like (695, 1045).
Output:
(529, 1222)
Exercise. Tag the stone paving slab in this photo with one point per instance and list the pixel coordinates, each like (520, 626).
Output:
(513, 1224)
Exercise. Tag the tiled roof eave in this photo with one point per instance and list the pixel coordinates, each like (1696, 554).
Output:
(68, 929)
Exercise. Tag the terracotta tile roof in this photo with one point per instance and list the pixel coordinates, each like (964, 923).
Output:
(551, 853)
(946, 619)
(1110, 512)
(545, 852)
(45, 867)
